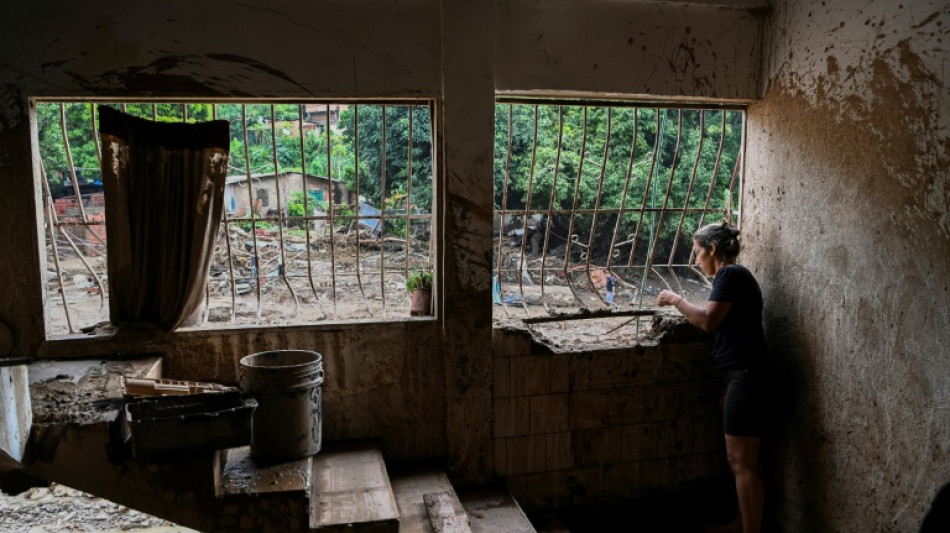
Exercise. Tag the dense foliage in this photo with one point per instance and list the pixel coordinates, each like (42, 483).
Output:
(263, 133)
(634, 159)
(620, 158)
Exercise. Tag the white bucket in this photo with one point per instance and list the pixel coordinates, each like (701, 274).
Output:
(288, 387)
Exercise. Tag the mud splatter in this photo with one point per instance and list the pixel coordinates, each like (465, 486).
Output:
(190, 75)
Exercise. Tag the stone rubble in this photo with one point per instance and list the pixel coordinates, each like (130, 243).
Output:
(61, 509)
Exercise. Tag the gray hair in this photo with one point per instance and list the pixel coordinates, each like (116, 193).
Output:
(724, 235)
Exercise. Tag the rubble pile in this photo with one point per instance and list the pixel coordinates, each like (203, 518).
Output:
(296, 284)
(61, 509)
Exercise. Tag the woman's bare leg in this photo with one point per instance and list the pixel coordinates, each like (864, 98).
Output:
(743, 455)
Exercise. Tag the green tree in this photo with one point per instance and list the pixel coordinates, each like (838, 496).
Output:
(605, 158)
(363, 130)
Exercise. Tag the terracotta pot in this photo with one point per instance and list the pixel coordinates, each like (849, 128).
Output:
(421, 302)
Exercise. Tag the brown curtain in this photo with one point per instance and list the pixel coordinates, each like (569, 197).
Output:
(164, 192)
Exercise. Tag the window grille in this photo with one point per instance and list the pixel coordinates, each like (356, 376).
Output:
(328, 210)
(584, 192)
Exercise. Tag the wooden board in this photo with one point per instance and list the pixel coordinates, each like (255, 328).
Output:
(351, 490)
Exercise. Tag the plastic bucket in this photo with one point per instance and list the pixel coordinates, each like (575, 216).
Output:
(288, 387)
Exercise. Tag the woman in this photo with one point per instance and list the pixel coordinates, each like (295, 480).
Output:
(734, 314)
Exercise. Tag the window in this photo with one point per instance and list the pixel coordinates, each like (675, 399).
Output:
(263, 197)
(591, 196)
(328, 209)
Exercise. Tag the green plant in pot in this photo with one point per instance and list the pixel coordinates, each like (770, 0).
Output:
(419, 285)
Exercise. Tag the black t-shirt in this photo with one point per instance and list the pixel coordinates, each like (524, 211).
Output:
(739, 339)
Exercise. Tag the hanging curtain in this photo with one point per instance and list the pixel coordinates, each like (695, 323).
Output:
(164, 192)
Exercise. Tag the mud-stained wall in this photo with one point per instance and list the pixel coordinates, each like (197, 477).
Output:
(256, 48)
(664, 49)
(847, 224)
(606, 426)
(382, 381)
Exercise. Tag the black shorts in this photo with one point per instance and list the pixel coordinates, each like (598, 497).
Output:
(745, 407)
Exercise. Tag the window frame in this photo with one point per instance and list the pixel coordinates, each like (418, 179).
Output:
(736, 183)
(432, 217)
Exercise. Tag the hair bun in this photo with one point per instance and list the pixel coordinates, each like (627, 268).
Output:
(723, 235)
(730, 229)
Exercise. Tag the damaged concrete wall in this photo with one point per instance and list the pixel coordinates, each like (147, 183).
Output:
(604, 426)
(848, 227)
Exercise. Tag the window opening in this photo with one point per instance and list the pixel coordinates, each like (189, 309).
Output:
(595, 203)
(328, 210)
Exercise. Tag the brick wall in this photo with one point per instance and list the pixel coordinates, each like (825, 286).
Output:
(605, 425)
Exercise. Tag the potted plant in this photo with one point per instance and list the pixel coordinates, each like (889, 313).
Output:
(419, 285)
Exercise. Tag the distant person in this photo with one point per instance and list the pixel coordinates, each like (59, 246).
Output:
(597, 278)
(734, 314)
(610, 287)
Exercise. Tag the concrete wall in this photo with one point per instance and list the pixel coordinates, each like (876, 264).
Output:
(666, 49)
(604, 426)
(444, 50)
(848, 228)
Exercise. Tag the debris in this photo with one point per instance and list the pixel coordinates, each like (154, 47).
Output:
(64, 509)
(149, 387)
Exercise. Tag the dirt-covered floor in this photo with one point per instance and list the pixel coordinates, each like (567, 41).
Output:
(61, 509)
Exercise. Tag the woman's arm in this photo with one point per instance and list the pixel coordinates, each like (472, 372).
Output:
(705, 318)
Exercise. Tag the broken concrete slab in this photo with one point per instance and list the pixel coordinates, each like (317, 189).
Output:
(446, 514)
(84, 391)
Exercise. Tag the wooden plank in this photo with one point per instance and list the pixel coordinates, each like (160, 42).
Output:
(409, 487)
(351, 490)
(443, 516)
(490, 511)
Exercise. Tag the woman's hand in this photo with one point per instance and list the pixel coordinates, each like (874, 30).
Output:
(667, 298)
(706, 318)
